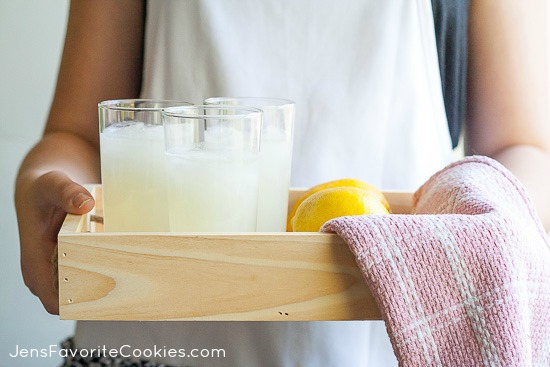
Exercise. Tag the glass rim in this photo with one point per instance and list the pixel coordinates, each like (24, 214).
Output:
(113, 104)
(179, 112)
(278, 102)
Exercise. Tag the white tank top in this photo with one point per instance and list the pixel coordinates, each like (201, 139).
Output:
(365, 79)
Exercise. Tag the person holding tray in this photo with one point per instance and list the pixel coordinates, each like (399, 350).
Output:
(374, 101)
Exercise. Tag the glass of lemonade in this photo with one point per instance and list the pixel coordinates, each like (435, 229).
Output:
(212, 155)
(133, 171)
(275, 157)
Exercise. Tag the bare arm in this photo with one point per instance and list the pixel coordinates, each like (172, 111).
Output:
(102, 59)
(508, 92)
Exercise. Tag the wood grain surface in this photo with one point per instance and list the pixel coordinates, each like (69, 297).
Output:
(194, 276)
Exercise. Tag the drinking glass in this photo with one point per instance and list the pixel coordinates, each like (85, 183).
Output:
(133, 165)
(212, 155)
(275, 157)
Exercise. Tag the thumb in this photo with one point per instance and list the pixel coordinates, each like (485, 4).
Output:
(66, 194)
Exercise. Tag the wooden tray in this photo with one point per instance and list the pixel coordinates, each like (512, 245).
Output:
(198, 276)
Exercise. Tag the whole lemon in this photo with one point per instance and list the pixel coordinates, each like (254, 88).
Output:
(335, 202)
(344, 182)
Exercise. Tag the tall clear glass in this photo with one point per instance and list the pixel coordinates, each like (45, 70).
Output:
(212, 155)
(133, 171)
(275, 157)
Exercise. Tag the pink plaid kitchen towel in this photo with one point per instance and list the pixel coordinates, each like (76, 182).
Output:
(465, 280)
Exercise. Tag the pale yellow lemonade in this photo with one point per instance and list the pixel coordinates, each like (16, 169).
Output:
(275, 160)
(134, 178)
(210, 193)
(275, 157)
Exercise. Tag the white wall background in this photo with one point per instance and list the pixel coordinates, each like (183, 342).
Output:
(31, 40)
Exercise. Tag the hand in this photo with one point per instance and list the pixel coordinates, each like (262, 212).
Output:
(42, 205)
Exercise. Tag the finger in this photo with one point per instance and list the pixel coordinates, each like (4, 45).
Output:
(40, 216)
(51, 304)
(37, 276)
(65, 194)
(49, 296)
